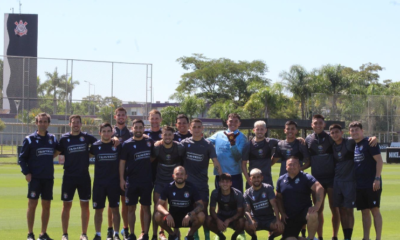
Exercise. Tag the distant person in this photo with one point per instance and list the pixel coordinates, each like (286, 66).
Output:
(368, 169)
(185, 206)
(36, 161)
(106, 180)
(230, 209)
(294, 190)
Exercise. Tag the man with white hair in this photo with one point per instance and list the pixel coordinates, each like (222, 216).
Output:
(258, 152)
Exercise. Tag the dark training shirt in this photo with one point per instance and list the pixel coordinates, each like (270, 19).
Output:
(36, 156)
(106, 165)
(76, 152)
(365, 164)
(167, 159)
(122, 134)
(260, 201)
(179, 137)
(180, 200)
(225, 201)
(344, 160)
(137, 155)
(320, 149)
(286, 149)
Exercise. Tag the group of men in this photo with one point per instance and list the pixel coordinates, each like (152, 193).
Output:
(130, 164)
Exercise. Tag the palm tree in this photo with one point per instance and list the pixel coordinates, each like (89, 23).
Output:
(67, 86)
(53, 82)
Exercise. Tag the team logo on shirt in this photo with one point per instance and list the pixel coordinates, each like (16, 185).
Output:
(82, 138)
(65, 196)
(288, 151)
(113, 148)
(94, 204)
(254, 198)
(174, 193)
(99, 147)
(263, 195)
(186, 195)
(297, 180)
(374, 202)
(68, 140)
(179, 139)
(361, 148)
(260, 151)
(189, 145)
(33, 194)
(339, 154)
(149, 144)
(168, 157)
(37, 141)
(50, 141)
(319, 147)
(134, 146)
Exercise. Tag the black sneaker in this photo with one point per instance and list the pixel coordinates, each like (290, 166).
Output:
(154, 237)
(96, 237)
(44, 237)
(116, 237)
(110, 234)
(31, 236)
(145, 236)
(132, 237)
(126, 233)
(173, 237)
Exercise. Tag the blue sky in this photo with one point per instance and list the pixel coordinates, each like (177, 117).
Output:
(281, 33)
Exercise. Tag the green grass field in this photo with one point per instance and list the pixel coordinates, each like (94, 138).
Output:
(13, 205)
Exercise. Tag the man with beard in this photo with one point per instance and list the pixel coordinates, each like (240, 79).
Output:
(368, 166)
(196, 158)
(122, 133)
(74, 146)
(182, 197)
(290, 147)
(182, 124)
(258, 152)
(136, 158)
(344, 186)
(293, 196)
(168, 156)
(106, 180)
(230, 209)
(36, 161)
(261, 211)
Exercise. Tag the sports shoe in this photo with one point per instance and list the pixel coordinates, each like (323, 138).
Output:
(154, 237)
(64, 237)
(96, 237)
(110, 234)
(125, 233)
(30, 236)
(145, 236)
(45, 236)
(116, 237)
(132, 237)
(84, 237)
(241, 236)
(161, 235)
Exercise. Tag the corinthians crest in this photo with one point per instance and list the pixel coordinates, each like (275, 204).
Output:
(21, 29)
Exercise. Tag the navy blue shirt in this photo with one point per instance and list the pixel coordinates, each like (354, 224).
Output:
(122, 134)
(180, 200)
(167, 159)
(154, 135)
(75, 148)
(343, 154)
(260, 201)
(295, 192)
(286, 149)
(137, 155)
(36, 156)
(365, 164)
(106, 165)
(179, 137)
(320, 149)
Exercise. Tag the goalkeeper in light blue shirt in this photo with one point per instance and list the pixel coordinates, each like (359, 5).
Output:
(229, 147)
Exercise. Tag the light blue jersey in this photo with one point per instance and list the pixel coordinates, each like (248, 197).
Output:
(229, 157)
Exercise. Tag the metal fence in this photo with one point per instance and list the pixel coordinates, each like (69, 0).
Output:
(378, 114)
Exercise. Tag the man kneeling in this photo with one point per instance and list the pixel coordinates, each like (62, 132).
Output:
(230, 208)
(185, 206)
(260, 207)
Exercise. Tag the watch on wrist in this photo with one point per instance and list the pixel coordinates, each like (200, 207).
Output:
(189, 214)
(377, 178)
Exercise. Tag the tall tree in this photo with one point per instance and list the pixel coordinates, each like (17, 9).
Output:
(216, 79)
(67, 86)
(53, 82)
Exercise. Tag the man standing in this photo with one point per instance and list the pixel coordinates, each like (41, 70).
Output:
(36, 161)
(74, 146)
(319, 145)
(261, 212)
(257, 153)
(168, 156)
(182, 197)
(230, 209)
(344, 186)
(290, 147)
(196, 158)
(293, 194)
(123, 134)
(368, 169)
(106, 179)
(136, 161)
(182, 124)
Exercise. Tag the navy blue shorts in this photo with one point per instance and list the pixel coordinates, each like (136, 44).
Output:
(101, 192)
(40, 187)
(159, 187)
(71, 183)
(134, 191)
(368, 198)
(344, 194)
(294, 225)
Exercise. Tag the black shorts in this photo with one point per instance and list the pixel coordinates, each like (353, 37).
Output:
(294, 225)
(100, 192)
(264, 223)
(40, 187)
(204, 194)
(326, 183)
(223, 218)
(368, 198)
(159, 187)
(134, 191)
(178, 217)
(71, 183)
(344, 194)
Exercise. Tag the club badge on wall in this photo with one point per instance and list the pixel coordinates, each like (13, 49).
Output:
(21, 29)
